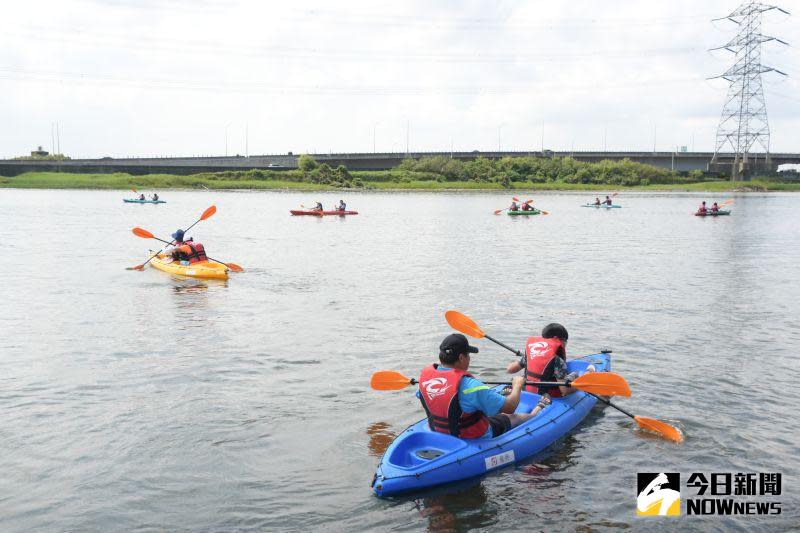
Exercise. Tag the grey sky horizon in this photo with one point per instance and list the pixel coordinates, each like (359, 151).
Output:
(176, 78)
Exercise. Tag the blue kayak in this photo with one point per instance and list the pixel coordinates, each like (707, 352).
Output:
(604, 206)
(420, 458)
(137, 201)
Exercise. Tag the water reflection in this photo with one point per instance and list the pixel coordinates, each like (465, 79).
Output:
(460, 510)
(380, 436)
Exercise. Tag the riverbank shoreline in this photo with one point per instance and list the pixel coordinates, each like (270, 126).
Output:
(165, 182)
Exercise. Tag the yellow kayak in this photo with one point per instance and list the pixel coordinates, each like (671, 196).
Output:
(202, 269)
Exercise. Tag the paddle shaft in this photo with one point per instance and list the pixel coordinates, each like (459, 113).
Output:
(527, 383)
(170, 242)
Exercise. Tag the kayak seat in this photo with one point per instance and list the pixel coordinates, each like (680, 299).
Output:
(423, 446)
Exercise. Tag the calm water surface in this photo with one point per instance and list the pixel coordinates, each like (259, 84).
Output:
(135, 401)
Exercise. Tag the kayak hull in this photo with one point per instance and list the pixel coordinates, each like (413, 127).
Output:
(202, 270)
(301, 212)
(522, 213)
(602, 206)
(719, 213)
(129, 201)
(420, 459)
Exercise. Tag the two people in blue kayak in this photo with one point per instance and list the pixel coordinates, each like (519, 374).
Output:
(458, 404)
(607, 201)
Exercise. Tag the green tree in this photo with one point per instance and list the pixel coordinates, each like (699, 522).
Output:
(306, 163)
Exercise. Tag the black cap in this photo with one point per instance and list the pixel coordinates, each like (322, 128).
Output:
(456, 344)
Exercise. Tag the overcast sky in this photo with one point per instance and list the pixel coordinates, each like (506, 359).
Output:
(171, 77)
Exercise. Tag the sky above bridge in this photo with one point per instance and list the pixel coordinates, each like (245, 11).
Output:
(186, 77)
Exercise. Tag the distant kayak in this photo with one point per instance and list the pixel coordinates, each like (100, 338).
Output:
(201, 269)
(604, 206)
(420, 458)
(710, 214)
(523, 213)
(137, 201)
(299, 212)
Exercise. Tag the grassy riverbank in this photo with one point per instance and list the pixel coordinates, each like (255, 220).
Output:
(389, 180)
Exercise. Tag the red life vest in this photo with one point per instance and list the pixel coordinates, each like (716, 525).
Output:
(438, 392)
(194, 252)
(539, 353)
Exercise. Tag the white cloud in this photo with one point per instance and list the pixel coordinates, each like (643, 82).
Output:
(169, 78)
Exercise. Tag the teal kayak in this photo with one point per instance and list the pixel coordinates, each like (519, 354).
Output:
(137, 201)
(712, 213)
(523, 213)
(420, 458)
(604, 206)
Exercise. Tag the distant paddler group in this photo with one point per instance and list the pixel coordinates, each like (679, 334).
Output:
(521, 209)
(318, 210)
(144, 200)
(714, 211)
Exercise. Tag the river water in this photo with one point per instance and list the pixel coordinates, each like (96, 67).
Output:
(135, 401)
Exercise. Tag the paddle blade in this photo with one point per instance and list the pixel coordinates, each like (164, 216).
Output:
(661, 428)
(389, 380)
(464, 324)
(143, 233)
(208, 212)
(603, 384)
(134, 190)
(137, 267)
(515, 198)
(498, 211)
(544, 212)
(234, 267)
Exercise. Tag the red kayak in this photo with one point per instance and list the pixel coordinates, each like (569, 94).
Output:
(320, 213)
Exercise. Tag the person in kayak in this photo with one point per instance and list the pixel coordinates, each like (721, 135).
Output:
(608, 200)
(141, 197)
(318, 207)
(513, 206)
(597, 200)
(545, 359)
(460, 405)
(527, 206)
(702, 209)
(342, 206)
(155, 197)
(187, 250)
(714, 207)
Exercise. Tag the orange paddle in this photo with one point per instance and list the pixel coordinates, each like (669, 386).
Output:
(206, 214)
(605, 383)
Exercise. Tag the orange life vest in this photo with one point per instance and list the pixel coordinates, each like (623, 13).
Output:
(438, 392)
(194, 252)
(539, 354)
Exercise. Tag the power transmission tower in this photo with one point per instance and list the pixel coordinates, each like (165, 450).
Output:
(744, 124)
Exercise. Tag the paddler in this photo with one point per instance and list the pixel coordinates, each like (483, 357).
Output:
(187, 250)
(597, 200)
(608, 200)
(513, 206)
(155, 197)
(318, 207)
(545, 359)
(342, 206)
(458, 404)
(141, 197)
(527, 206)
(702, 209)
(714, 207)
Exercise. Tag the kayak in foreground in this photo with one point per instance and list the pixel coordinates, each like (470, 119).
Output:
(712, 214)
(299, 212)
(420, 458)
(604, 206)
(201, 269)
(137, 201)
(517, 213)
